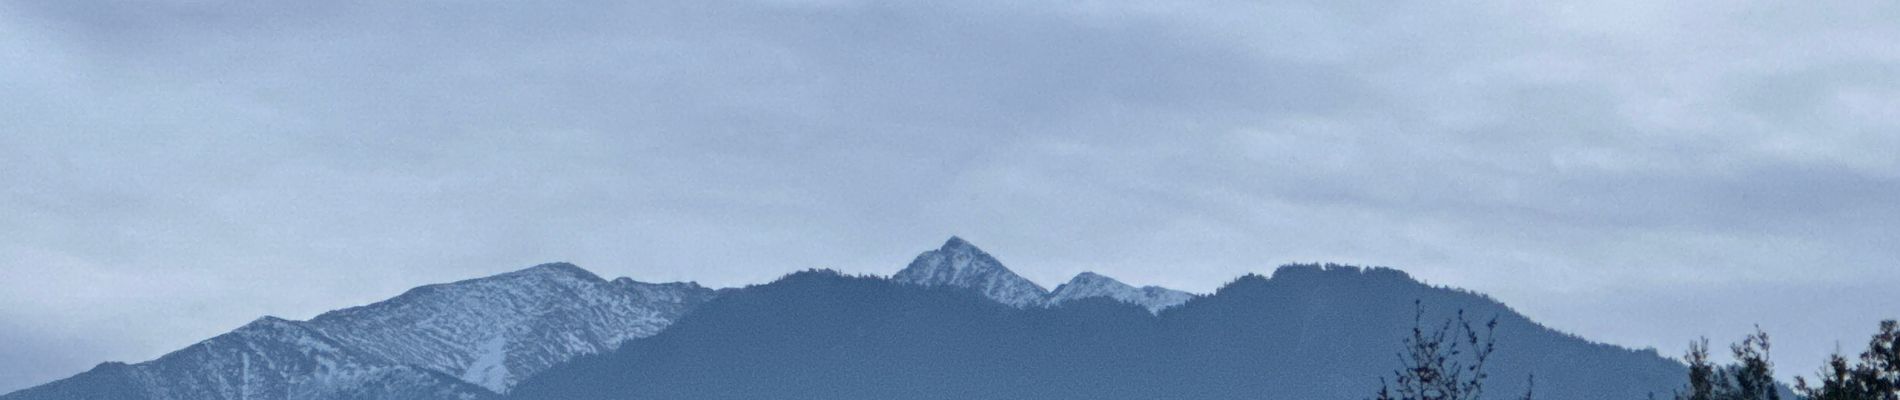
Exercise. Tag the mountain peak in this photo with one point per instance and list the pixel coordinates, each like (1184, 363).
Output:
(1092, 277)
(558, 269)
(1090, 284)
(961, 264)
(1337, 271)
(268, 320)
(484, 331)
(958, 244)
(958, 263)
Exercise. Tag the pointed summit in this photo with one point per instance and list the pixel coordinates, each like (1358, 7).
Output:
(1090, 277)
(1091, 285)
(558, 269)
(957, 243)
(960, 264)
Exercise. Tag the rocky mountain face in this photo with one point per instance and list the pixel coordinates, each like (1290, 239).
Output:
(1092, 285)
(960, 264)
(1307, 332)
(478, 338)
(495, 331)
(465, 340)
(267, 359)
(954, 324)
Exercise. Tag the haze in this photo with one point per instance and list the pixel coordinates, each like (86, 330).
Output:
(1635, 172)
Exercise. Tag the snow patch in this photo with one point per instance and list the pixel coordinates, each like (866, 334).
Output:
(490, 369)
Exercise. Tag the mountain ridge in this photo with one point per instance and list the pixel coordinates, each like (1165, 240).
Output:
(1310, 331)
(464, 340)
(959, 263)
(1090, 285)
(480, 338)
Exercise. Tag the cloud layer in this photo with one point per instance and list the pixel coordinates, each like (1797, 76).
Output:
(1635, 172)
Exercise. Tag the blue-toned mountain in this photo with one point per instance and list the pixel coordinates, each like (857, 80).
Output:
(954, 324)
(1307, 332)
(458, 341)
(960, 264)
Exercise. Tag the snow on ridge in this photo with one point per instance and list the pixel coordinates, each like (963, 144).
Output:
(479, 337)
(961, 264)
(498, 330)
(1091, 285)
(465, 340)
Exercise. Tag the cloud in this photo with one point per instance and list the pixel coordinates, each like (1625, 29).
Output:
(174, 169)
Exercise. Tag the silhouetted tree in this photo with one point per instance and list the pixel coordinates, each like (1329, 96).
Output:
(1444, 363)
(1750, 378)
(1701, 372)
(1875, 377)
(1754, 375)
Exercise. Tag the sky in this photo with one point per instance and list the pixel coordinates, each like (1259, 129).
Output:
(1636, 172)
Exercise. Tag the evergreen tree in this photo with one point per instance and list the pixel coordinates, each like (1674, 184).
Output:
(1702, 375)
(1750, 378)
(1753, 374)
(1875, 377)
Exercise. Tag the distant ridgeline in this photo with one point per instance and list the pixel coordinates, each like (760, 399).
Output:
(955, 324)
(1308, 332)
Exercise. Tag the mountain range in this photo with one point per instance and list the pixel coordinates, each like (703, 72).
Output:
(954, 324)
(1307, 332)
(959, 264)
(471, 339)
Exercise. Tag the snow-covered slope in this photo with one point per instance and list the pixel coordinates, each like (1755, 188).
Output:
(1090, 285)
(464, 340)
(960, 264)
(269, 358)
(498, 330)
(478, 338)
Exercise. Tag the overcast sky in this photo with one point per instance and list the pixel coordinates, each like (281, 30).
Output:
(1634, 171)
